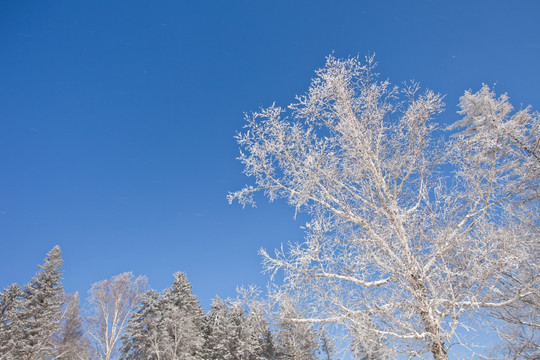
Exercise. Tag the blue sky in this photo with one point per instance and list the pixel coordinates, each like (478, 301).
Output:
(117, 118)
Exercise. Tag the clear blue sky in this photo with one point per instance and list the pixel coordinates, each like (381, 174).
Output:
(117, 118)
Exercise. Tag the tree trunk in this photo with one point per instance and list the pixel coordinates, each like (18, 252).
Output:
(438, 350)
(436, 345)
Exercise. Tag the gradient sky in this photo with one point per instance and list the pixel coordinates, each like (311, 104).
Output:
(117, 118)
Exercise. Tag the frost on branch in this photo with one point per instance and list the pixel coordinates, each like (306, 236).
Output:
(494, 140)
(399, 249)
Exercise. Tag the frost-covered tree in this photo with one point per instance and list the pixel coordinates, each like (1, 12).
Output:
(111, 302)
(10, 325)
(237, 330)
(294, 338)
(219, 332)
(141, 339)
(413, 236)
(31, 315)
(37, 313)
(245, 336)
(166, 326)
(326, 344)
(520, 330)
(259, 330)
(182, 322)
(495, 145)
(70, 341)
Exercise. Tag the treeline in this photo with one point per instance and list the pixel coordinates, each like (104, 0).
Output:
(124, 319)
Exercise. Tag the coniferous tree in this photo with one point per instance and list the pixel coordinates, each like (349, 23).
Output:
(241, 345)
(268, 348)
(258, 330)
(167, 326)
(182, 322)
(10, 324)
(235, 333)
(40, 311)
(141, 339)
(218, 331)
(294, 339)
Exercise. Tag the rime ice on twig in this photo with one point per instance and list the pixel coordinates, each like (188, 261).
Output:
(398, 249)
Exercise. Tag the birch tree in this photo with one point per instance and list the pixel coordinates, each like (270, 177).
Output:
(70, 341)
(111, 302)
(414, 234)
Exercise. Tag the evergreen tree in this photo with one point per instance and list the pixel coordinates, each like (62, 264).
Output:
(182, 322)
(268, 348)
(295, 340)
(240, 343)
(169, 326)
(141, 339)
(10, 324)
(218, 331)
(40, 314)
(234, 335)
(258, 330)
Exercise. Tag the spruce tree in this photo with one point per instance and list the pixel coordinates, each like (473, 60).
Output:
(141, 339)
(182, 322)
(10, 323)
(167, 326)
(236, 334)
(257, 330)
(295, 340)
(40, 311)
(239, 341)
(218, 330)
